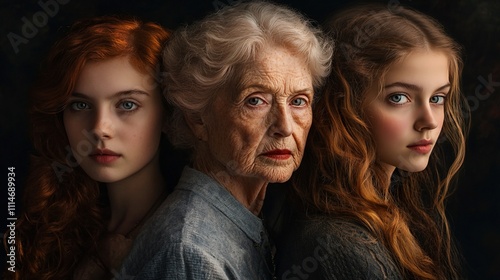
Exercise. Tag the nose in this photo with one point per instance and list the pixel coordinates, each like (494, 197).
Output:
(281, 122)
(426, 119)
(103, 128)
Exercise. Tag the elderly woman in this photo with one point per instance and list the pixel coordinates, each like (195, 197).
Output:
(243, 82)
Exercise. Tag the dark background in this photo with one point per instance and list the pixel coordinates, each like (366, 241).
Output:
(473, 208)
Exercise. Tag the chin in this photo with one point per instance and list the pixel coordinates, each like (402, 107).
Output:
(415, 168)
(103, 178)
(279, 180)
(279, 176)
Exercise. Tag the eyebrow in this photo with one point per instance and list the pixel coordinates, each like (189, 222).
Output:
(118, 94)
(413, 87)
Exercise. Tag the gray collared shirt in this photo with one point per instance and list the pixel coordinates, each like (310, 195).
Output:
(200, 232)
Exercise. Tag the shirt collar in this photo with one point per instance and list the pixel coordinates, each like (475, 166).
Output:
(205, 186)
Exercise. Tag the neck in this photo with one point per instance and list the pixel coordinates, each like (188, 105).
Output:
(389, 169)
(249, 191)
(132, 198)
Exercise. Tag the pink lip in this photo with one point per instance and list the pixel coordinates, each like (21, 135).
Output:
(421, 147)
(104, 155)
(278, 154)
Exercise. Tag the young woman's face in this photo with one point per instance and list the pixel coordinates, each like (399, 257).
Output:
(114, 120)
(406, 118)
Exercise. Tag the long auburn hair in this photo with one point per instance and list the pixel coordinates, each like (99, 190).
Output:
(340, 175)
(64, 215)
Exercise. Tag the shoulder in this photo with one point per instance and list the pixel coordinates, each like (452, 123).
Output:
(338, 231)
(186, 232)
(179, 261)
(181, 218)
(331, 248)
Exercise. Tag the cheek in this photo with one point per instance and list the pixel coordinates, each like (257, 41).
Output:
(148, 132)
(440, 120)
(305, 126)
(80, 139)
(388, 128)
(237, 145)
(73, 129)
(303, 122)
(300, 137)
(243, 140)
(243, 132)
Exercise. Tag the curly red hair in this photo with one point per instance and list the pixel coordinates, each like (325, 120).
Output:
(64, 214)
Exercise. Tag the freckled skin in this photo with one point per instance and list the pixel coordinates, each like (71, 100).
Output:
(400, 115)
(272, 111)
(135, 135)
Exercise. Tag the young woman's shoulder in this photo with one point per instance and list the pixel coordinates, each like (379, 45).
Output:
(333, 248)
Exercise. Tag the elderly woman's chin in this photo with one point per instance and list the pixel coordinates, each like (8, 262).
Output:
(271, 172)
(263, 169)
(279, 172)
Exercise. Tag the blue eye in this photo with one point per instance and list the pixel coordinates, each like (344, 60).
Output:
(128, 106)
(299, 102)
(79, 106)
(255, 101)
(398, 98)
(438, 99)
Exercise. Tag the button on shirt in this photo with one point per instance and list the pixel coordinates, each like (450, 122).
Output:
(200, 232)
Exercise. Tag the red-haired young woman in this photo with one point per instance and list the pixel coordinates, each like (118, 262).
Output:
(97, 116)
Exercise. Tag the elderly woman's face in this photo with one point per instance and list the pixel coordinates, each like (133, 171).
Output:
(261, 130)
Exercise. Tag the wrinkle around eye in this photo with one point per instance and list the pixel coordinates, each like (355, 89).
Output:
(255, 101)
(302, 104)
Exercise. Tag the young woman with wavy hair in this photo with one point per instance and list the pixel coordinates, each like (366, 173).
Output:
(388, 136)
(97, 117)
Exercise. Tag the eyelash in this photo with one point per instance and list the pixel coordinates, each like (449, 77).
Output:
(129, 110)
(398, 94)
(73, 106)
(255, 98)
(443, 97)
(263, 101)
(304, 101)
(439, 96)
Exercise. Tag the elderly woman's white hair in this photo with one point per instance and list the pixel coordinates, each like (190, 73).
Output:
(210, 56)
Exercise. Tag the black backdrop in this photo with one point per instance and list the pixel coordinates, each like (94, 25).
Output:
(473, 208)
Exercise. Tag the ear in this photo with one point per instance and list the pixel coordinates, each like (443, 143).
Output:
(197, 125)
